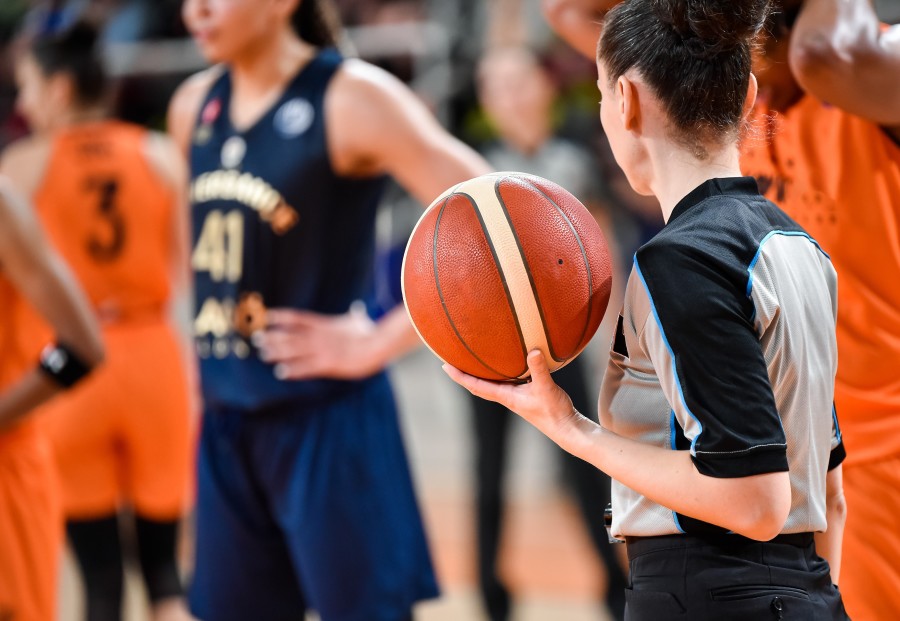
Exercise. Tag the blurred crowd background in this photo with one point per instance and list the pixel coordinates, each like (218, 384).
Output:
(533, 106)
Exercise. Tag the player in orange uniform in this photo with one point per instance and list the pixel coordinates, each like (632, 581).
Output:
(833, 163)
(829, 101)
(30, 514)
(108, 194)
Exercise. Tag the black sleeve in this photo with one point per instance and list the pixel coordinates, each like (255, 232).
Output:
(838, 452)
(710, 363)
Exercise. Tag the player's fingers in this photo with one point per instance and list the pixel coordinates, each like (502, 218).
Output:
(297, 368)
(277, 345)
(291, 318)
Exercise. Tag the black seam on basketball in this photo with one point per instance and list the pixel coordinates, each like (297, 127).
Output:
(437, 283)
(509, 300)
(587, 263)
(534, 292)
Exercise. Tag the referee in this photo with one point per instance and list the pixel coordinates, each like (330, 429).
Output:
(716, 416)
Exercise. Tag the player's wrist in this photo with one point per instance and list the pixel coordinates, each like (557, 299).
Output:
(63, 366)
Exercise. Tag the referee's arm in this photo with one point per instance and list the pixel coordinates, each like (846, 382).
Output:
(749, 495)
(710, 364)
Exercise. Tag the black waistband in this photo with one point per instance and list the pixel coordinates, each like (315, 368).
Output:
(643, 545)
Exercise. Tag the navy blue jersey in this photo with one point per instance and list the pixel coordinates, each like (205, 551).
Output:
(273, 226)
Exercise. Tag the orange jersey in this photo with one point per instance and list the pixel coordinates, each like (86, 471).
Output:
(839, 176)
(31, 521)
(15, 360)
(11, 366)
(110, 216)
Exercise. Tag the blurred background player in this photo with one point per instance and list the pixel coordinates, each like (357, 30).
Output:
(110, 196)
(34, 278)
(827, 149)
(518, 95)
(304, 492)
(830, 85)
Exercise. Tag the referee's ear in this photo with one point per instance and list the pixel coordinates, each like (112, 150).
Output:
(750, 99)
(629, 102)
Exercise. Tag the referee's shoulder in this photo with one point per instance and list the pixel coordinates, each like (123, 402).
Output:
(668, 244)
(663, 258)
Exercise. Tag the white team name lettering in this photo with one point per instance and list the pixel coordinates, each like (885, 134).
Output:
(233, 185)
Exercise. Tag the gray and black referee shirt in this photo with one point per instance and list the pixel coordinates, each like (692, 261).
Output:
(726, 348)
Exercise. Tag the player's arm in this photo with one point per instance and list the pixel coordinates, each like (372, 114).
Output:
(167, 159)
(841, 54)
(43, 279)
(393, 133)
(375, 125)
(578, 22)
(828, 543)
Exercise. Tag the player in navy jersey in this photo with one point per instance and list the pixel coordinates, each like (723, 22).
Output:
(304, 495)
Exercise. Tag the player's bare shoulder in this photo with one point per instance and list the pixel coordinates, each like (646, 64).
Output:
(23, 162)
(358, 81)
(15, 213)
(366, 107)
(185, 104)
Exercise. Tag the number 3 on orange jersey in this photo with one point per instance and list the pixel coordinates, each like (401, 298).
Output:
(107, 242)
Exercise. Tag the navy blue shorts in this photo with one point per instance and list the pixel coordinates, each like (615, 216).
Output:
(309, 508)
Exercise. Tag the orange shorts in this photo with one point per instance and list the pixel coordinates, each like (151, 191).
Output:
(31, 526)
(870, 569)
(124, 434)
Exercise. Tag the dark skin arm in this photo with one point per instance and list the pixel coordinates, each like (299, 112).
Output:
(39, 274)
(840, 53)
(828, 543)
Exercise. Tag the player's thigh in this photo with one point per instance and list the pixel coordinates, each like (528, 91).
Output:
(348, 509)
(155, 422)
(82, 428)
(242, 566)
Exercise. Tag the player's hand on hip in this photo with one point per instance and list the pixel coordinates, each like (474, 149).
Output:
(306, 345)
(539, 401)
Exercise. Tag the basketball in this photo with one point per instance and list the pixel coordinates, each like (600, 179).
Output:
(503, 264)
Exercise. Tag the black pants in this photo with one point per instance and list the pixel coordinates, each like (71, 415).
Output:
(590, 486)
(730, 578)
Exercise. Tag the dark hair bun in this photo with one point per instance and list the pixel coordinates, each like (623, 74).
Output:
(710, 27)
(74, 51)
(80, 37)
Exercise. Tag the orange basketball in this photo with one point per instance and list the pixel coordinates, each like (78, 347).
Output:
(503, 264)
